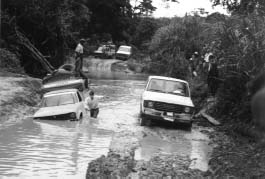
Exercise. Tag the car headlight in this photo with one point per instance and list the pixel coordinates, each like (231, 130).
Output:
(150, 104)
(187, 109)
(72, 115)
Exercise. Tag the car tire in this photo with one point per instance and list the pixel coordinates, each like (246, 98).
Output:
(81, 116)
(189, 126)
(142, 121)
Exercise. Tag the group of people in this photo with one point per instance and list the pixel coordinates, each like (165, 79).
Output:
(91, 103)
(205, 66)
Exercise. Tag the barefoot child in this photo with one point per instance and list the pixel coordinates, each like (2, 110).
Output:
(92, 105)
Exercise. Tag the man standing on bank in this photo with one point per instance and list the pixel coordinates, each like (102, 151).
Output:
(212, 79)
(79, 51)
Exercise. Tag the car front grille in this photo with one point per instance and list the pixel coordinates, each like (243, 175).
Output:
(122, 56)
(160, 106)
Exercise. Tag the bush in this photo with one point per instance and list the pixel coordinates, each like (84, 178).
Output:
(170, 45)
(10, 62)
(240, 44)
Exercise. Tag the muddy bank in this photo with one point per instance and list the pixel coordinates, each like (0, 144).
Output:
(120, 159)
(153, 152)
(235, 155)
(19, 94)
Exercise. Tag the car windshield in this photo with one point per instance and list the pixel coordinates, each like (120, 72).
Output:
(168, 86)
(125, 49)
(58, 100)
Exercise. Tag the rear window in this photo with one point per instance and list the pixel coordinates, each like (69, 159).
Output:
(58, 100)
(168, 86)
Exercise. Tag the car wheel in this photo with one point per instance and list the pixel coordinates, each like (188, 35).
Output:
(142, 121)
(189, 126)
(81, 116)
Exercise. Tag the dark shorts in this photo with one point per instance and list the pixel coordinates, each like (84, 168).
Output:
(94, 112)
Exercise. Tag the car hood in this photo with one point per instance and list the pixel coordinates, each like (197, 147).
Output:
(98, 51)
(55, 110)
(167, 98)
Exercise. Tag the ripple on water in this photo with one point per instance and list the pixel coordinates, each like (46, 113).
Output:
(50, 148)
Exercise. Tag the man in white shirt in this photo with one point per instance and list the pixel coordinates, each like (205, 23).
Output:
(92, 105)
(79, 51)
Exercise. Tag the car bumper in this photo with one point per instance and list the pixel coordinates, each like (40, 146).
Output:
(56, 117)
(152, 114)
(122, 56)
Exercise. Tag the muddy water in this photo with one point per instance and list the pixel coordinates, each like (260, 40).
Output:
(50, 148)
(168, 141)
(62, 149)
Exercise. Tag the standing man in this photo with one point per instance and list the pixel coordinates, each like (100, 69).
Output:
(79, 51)
(213, 75)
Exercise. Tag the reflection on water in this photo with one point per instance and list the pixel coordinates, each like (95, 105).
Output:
(200, 150)
(154, 145)
(95, 74)
(51, 148)
(193, 144)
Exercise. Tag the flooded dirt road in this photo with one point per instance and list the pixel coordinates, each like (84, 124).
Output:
(63, 149)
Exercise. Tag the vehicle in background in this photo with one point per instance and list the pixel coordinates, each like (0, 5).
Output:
(64, 76)
(105, 51)
(166, 99)
(69, 83)
(61, 105)
(124, 52)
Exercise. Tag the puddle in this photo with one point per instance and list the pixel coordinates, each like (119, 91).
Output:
(200, 150)
(193, 144)
(153, 145)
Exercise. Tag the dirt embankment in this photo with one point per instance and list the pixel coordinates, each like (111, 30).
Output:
(19, 94)
(121, 162)
(236, 154)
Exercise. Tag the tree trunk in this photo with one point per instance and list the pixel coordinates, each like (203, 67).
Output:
(35, 53)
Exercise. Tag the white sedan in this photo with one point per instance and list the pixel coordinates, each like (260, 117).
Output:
(62, 105)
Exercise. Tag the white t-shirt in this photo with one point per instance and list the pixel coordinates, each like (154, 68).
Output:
(79, 49)
(207, 55)
(91, 104)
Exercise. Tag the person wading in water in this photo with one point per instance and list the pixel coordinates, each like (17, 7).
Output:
(92, 105)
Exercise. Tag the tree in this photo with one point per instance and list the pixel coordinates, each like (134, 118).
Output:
(242, 6)
(144, 31)
(49, 24)
(144, 8)
(171, 45)
(112, 17)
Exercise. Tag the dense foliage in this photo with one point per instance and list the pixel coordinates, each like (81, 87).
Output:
(55, 26)
(238, 42)
(172, 43)
(10, 62)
